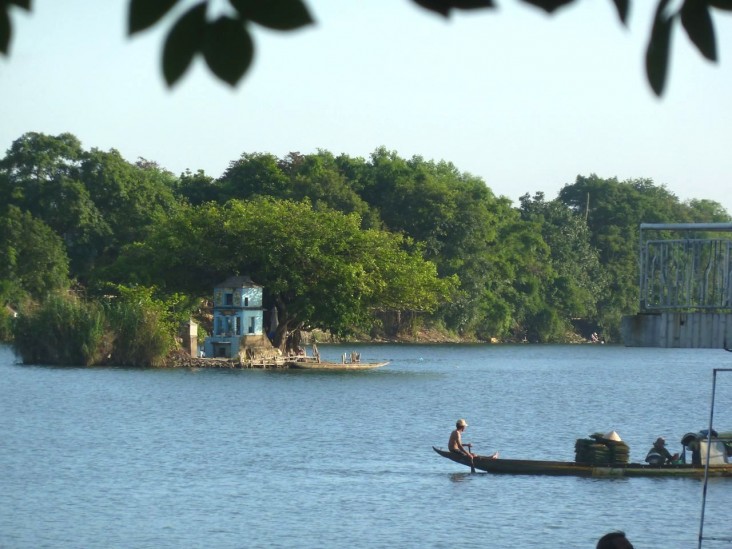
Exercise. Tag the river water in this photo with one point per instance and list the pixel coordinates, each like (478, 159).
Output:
(127, 458)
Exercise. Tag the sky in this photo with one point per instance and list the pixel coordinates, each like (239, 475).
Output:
(523, 100)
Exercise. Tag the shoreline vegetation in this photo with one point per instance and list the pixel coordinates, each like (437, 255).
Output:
(178, 358)
(129, 334)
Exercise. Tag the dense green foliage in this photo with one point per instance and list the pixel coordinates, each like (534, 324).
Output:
(142, 327)
(62, 330)
(133, 329)
(95, 201)
(578, 281)
(319, 267)
(349, 245)
(34, 256)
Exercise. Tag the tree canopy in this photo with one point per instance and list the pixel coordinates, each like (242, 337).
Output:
(381, 244)
(226, 44)
(319, 267)
(34, 256)
(95, 201)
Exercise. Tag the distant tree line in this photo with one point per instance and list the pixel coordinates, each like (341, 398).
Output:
(376, 247)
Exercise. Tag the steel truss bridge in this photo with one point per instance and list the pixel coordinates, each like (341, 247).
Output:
(691, 271)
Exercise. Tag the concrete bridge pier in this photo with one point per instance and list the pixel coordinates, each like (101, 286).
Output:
(702, 330)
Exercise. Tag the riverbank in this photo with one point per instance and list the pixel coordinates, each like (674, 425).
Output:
(437, 336)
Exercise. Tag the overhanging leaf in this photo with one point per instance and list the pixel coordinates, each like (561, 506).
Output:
(183, 41)
(721, 4)
(6, 29)
(658, 50)
(549, 5)
(274, 14)
(443, 7)
(25, 4)
(5, 32)
(228, 49)
(471, 4)
(623, 7)
(145, 13)
(697, 21)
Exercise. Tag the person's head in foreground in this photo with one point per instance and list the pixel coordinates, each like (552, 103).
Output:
(614, 540)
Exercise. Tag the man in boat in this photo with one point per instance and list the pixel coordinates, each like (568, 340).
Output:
(659, 454)
(455, 444)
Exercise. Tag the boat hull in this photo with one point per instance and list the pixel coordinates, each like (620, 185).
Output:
(570, 468)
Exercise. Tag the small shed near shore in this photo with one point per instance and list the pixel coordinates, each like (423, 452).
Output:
(238, 319)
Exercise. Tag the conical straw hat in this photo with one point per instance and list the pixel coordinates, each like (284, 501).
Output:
(612, 435)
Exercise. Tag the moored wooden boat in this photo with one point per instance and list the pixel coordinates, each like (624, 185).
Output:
(314, 365)
(571, 468)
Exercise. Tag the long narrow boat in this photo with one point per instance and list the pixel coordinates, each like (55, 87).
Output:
(571, 468)
(313, 365)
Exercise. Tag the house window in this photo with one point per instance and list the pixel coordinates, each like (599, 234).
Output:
(229, 299)
(252, 320)
(246, 302)
(238, 326)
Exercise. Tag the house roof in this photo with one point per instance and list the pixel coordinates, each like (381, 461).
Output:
(238, 282)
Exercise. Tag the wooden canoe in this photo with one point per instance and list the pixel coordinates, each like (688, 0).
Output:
(313, 365)
(571, 468)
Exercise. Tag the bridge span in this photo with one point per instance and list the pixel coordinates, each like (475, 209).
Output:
(685, 287)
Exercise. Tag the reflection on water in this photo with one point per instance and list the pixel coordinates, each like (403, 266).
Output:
(462, 477)
(106, 457)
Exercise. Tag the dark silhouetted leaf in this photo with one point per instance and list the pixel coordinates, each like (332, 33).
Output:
(473, 4)
(659, 47)
(145, 13)
(6, 29)
(25, 4)
(5, 32)
(274, 14)
(549, 5)
(228, 49)
(698, 24)
(721, 4)
(623, 7)
(443, 7)
(183, 41)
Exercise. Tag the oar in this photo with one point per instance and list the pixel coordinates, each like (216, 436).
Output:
(470, 451)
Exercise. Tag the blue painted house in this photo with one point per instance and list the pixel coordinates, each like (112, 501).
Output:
(238, 319)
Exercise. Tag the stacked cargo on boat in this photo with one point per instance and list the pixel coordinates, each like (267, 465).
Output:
(599, 449)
